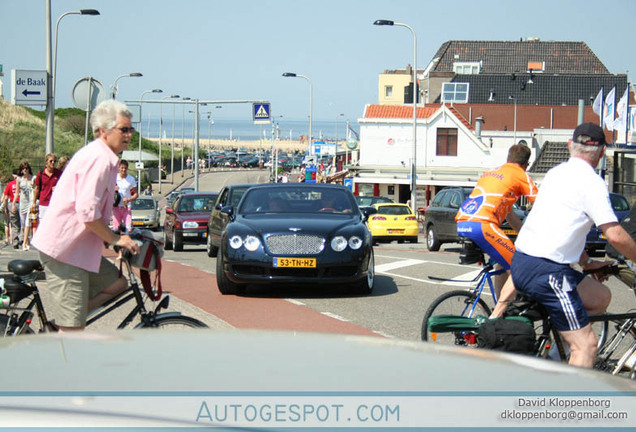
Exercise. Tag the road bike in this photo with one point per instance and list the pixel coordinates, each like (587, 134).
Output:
(20, 287)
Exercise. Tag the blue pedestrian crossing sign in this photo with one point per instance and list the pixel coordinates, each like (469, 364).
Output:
(261, 113)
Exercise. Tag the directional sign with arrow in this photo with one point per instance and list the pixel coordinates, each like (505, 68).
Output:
(28, 87)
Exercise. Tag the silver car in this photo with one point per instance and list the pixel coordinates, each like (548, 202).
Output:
(145, 213)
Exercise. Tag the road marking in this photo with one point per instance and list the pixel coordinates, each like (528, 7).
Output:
(334, 316)
(382, 268)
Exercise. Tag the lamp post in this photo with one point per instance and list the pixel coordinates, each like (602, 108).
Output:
(52, 71)
(182, 131)
(513, 98)
(415, 93)
(114, 88)
(141, 98)
(311, 137)
(161, 134)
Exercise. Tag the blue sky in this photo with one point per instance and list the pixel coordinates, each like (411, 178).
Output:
(238, 49)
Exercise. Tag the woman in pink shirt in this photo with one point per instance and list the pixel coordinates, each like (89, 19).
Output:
(71, 238)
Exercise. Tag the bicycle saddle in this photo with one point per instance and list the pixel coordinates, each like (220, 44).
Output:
(24, 267)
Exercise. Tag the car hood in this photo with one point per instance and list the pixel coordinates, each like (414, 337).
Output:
(304, 223)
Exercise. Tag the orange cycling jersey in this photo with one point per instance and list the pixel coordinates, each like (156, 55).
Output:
(495, 193)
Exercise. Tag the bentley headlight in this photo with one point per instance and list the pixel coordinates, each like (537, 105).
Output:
(190, 224)
(252, 243)
(236, 242)
(339, 243)
(355, 242)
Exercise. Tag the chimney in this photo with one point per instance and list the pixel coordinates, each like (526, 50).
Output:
(479, 121)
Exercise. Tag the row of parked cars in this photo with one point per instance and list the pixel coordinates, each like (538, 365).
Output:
(440, 225)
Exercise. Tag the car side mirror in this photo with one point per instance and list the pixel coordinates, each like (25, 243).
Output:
(169, 210)
(368, 211)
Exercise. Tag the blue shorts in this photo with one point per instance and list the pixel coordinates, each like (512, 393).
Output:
(490, 239)
(552, 285)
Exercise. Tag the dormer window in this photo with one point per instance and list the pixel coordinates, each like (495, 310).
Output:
(467, 68)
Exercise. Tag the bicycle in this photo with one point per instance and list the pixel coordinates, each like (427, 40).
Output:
(464, 303)
(21, 285)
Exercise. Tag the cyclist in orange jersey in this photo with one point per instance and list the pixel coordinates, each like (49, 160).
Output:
(480, 216)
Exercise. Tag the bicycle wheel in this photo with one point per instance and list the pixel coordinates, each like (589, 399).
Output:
(458, 303)
(175, 322)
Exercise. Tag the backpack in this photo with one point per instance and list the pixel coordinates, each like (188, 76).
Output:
(512, 334)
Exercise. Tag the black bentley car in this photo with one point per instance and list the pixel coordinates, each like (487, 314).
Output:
(298, 233)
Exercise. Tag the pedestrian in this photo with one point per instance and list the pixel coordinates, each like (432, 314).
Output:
(24, 189)
(126, 186)
(5, 205)
(61, 163)
(572, 198)
(8, 197)
(148, 191)
(45, 182)
(71, 238)
(490, 202)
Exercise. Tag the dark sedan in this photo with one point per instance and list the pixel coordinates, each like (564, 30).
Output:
(187, 219)
(296, 234)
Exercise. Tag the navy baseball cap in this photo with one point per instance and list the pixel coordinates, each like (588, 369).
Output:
(594, 134)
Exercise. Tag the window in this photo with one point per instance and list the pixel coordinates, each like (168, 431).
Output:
(455, 92)
(388, 91)
(446, 142)
(467, 68)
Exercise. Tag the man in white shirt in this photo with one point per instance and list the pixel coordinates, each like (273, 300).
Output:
(127, 189)
(571, 198)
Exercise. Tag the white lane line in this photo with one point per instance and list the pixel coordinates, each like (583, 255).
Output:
(334, 316)
(397, 264)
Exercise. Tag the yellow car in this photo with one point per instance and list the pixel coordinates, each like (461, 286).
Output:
(393, 221)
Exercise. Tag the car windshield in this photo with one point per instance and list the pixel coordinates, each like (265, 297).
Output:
(297, 200)
(394, 210)
(196, 204)
(143, 204)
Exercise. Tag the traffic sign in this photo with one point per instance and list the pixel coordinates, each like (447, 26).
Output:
(28, 87)
(261, 113)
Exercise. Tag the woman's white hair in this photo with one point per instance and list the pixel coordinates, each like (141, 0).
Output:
(105, 115)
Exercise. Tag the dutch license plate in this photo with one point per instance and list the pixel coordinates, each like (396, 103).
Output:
(295, 262)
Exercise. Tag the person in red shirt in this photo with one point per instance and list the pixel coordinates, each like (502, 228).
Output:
(45, 182)
(13, 211)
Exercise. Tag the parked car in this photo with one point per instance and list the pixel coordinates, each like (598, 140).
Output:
(439, 217)
(145, 213)
(596, 241)
(295, 233)
(230, 195)
(187, 220)
(393, 221)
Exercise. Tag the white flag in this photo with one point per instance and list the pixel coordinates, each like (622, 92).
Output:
(608, 112)
(620, 124)
(596, 106)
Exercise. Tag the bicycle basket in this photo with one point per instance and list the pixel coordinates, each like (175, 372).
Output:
(451, 323)
(15, 289)
(470, 253)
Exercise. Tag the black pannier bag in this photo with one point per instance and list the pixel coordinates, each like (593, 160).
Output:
(512, 334)
(470, 253)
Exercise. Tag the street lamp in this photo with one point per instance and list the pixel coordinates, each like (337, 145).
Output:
(161, 133)
(311, 137)
(415, 93)
(114, 88)
(52, 72)
(182, 131)
(513, 98)
(141, 98)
